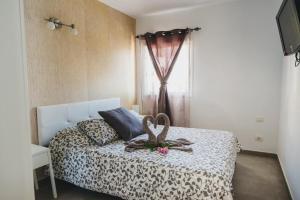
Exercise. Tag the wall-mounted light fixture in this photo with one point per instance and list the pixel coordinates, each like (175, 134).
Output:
(54, 23)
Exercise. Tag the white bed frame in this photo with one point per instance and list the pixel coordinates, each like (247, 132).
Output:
(54, 118)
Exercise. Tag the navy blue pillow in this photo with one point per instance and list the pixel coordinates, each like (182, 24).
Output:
(125, 123)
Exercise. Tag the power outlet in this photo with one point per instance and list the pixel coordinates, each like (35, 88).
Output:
(259, 139)
(260, 119)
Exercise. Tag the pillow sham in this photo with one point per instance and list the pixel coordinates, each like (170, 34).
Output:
(98, 130)
(125, 123)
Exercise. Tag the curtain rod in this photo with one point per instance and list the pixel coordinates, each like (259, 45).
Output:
(189, 29)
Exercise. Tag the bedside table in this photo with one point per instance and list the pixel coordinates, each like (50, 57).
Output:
(41, 157)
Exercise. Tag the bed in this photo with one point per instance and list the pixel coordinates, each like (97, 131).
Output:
(206, 173)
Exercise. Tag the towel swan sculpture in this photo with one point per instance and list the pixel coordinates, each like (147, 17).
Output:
(160, 140)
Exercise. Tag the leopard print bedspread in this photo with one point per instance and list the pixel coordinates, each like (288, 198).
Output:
(204, 174)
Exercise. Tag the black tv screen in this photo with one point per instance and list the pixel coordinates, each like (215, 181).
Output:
(289, 26)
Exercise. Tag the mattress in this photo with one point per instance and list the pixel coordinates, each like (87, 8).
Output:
(204, 174)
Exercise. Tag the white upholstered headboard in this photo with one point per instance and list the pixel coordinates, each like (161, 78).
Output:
(54, 118)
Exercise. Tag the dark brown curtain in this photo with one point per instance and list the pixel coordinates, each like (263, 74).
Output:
(164, 47)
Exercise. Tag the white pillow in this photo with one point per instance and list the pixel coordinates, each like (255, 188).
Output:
(137, 115)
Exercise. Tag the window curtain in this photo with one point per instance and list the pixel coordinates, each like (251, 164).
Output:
(164, 76)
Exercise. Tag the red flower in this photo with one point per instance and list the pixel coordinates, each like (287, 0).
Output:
(163, 150)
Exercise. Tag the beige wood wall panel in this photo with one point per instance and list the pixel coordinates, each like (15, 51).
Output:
(116, 56)
(63, 68)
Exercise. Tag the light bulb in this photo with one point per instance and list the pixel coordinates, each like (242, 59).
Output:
(51, 25)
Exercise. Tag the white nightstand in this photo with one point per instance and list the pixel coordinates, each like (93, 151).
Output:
(41, 157)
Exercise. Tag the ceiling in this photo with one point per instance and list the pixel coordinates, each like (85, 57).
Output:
(139, 8)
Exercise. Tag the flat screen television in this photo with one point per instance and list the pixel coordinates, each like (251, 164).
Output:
(289, 26)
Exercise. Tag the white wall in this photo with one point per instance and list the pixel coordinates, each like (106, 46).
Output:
(289, 134)
(15, 158)
(237, 67)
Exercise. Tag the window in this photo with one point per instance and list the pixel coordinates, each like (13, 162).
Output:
(178, 83)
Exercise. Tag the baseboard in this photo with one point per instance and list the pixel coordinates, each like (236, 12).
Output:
(259, 153)
(285, 179)
(272, 155)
